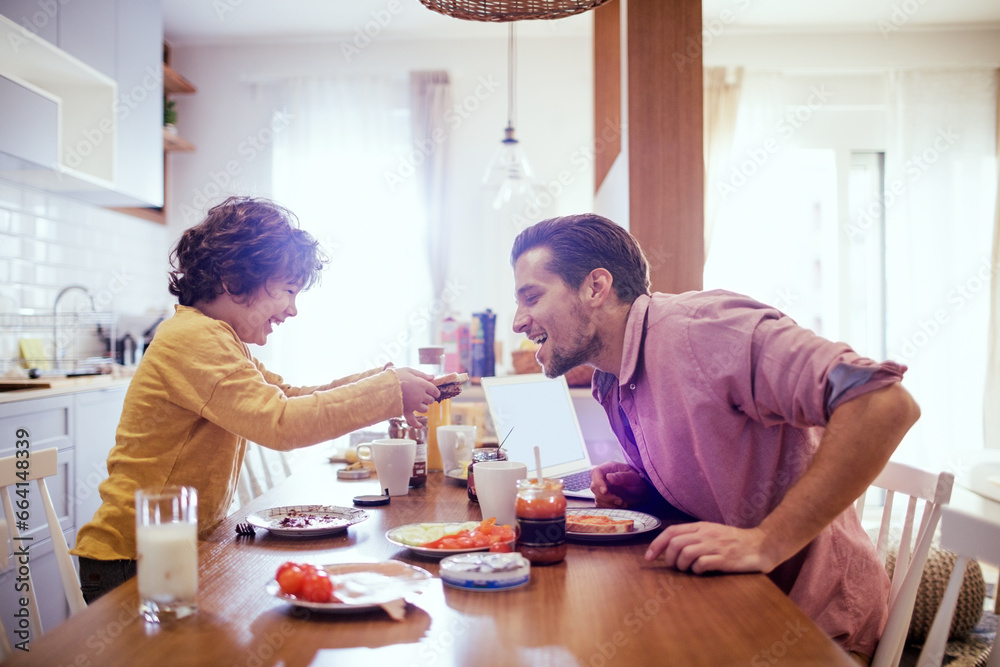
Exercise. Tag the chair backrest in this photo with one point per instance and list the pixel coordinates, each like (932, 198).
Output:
(16, 473)
(934, 491)
(262, 470)
(971, 537)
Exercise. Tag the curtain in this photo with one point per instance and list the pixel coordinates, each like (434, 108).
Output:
(722, 99)
(346, 164)
(991, 397)
(940, 196)
(430, 99)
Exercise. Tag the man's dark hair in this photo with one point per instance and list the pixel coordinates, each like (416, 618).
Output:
(584, 242)
(242, 243)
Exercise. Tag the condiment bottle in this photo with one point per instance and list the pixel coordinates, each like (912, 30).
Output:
(481, 454)
(398, 428)
(541, 518)
(439, 412)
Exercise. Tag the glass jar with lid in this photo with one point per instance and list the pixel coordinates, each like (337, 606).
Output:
(482, 454)
(541, 519)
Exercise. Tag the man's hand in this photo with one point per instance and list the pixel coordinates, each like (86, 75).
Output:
(618, 485)
(418, 392)
(706, 547)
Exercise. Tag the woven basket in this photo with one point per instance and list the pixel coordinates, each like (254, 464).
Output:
(510, 10)
(524, 362)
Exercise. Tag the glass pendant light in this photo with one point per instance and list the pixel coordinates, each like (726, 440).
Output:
(509, 170)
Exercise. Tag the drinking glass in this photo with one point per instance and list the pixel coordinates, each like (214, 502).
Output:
(166, 532)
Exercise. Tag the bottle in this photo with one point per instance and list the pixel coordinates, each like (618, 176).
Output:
(398, 428)
(439, 413)
(419, 433)
(541, 518)
(481, 454)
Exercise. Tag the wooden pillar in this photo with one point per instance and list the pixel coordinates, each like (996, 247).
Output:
(607, 89)
(666, 172)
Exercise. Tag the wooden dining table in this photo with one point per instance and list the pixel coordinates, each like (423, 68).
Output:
(603, 605)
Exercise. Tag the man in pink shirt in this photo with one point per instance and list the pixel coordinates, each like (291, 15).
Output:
(760, 430)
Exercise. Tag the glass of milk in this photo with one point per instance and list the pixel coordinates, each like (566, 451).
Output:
(166, 531)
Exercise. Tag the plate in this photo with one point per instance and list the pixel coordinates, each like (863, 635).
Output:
(461, 474)
(307, 520)
(371, 585)
(643, 524)
(392, 536)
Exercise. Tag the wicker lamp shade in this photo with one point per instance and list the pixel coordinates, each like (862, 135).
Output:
(510, 10)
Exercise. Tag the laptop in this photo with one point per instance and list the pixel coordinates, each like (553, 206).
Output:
(536, 410)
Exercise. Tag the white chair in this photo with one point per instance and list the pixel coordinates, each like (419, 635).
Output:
(41, 464)
(262, 469)
(970, 537)
(935, 491)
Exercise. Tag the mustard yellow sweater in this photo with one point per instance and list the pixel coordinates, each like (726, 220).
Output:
(196, 398)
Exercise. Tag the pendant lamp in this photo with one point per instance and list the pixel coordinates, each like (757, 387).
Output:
(508, 170)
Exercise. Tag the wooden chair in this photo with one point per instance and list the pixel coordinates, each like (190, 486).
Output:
(935, 491)
(41, 464)
(970, 537)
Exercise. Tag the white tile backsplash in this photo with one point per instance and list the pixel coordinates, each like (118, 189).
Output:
(48, 242)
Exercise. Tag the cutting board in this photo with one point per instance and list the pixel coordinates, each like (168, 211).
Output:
(9, 384)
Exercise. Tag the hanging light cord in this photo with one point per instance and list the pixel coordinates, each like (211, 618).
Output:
(511, 75)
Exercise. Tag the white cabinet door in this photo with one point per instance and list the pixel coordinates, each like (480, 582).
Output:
(87, 32)
(40, 18)
(96, 416)
(140, 96)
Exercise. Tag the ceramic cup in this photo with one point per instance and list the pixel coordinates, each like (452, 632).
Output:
(496, 488)
(166, 531)
(393, 458)
(456, 443)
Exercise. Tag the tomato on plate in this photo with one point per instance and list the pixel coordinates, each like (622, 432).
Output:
(317, 587)
(290, 577)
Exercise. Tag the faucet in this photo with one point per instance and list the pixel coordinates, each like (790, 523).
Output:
(57, 358)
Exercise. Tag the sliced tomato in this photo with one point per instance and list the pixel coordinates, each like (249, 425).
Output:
(502, 547)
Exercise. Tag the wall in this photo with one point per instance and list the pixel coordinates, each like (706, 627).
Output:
(48, 242)
(239, 88)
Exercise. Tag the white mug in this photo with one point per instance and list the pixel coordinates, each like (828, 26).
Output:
(496, 489)
(393, 459)
(456, 442)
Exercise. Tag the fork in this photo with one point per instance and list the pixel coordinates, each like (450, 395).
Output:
(245, 529)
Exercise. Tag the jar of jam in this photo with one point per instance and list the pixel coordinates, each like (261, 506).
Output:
(482, 454)
(398, 428)
(541, 519)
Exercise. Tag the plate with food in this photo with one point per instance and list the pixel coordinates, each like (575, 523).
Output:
(306, 520)
(444, 539)
(349, 587)
(599, 524)
(459, 474)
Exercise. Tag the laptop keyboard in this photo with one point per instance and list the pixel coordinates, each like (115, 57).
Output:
(578, 481)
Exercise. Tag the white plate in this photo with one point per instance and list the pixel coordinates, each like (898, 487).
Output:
(390, 580)
(643, 524)
(316, 519)
(458, 473)
(424, 551)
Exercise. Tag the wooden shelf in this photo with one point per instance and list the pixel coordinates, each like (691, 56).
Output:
(174, 82)
(173, 143)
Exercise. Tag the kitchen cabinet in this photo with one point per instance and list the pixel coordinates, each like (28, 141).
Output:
(81, 425)
(87, 31)
(95, 417)
(100, 61)
(50, 423)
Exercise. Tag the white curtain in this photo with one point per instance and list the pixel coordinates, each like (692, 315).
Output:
(991, 398)
(430, 100)
(346, 166)
(722, 99)
(941, 185)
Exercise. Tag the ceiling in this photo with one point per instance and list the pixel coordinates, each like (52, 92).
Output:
(222, 21)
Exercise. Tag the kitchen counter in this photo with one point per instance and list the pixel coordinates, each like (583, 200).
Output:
(56, 386)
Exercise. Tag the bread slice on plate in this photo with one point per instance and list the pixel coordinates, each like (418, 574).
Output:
(450, 385)
(598, 523)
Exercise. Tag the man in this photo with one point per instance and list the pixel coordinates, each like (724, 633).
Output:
(760, 430)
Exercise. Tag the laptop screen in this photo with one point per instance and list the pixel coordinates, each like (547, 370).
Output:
(540, 411)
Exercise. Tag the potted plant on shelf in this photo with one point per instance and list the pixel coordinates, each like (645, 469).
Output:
(170, 116)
